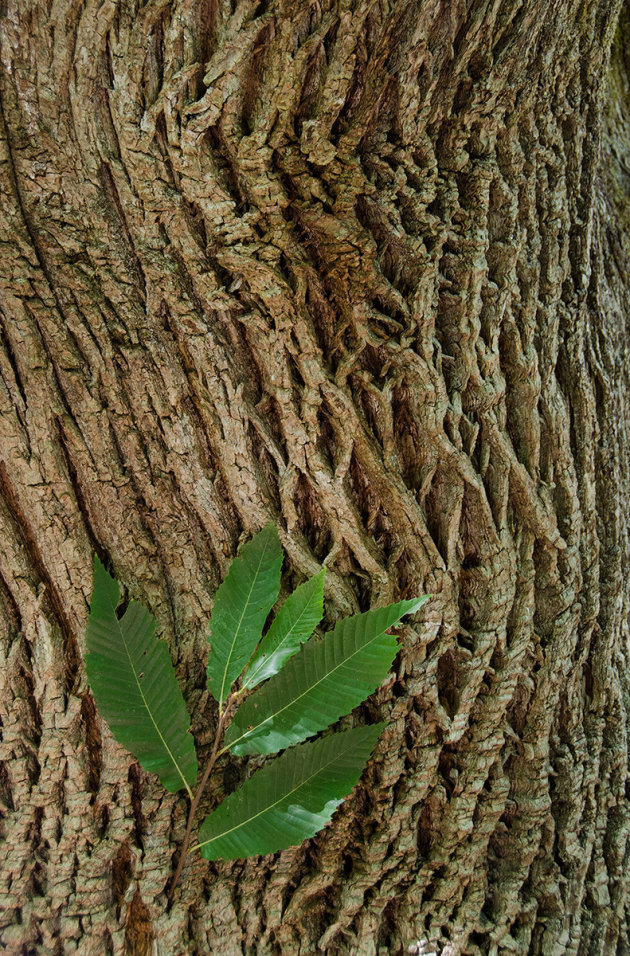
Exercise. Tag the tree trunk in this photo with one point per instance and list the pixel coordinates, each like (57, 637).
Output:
(359, 268)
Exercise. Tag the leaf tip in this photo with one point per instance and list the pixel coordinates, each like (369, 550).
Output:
(98, 568)
(418, 602)
(105, 586)
(269, 531)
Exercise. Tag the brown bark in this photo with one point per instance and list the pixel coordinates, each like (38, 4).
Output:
(359, 268)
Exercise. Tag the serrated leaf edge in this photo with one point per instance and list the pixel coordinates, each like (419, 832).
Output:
(301, 784)
(144, 700)
(238, 628)
(311, 687)
(251, 675)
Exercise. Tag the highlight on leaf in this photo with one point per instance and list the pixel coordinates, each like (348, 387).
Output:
(293, 688)
(290, 799)
(293, 624)
(241, 606)
(321, 683)
(134, 685)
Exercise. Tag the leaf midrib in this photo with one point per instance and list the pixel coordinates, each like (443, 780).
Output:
(247, 681)
(144, 701)
(237, 631)
(275, 804)
(250, 733)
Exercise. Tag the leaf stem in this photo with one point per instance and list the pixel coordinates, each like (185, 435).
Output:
(223, 718)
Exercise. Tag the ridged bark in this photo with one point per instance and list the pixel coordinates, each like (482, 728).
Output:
(359, 268)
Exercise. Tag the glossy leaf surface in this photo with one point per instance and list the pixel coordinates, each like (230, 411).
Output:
(241, 606)
(289, 799)
(133, 681)
(293, 624)
(321, 683)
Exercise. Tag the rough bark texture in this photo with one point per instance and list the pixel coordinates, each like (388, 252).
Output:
(361, 268)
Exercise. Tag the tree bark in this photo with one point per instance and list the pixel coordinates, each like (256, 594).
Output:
(359, 268)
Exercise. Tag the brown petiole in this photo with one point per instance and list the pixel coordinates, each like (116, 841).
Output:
(223, 718)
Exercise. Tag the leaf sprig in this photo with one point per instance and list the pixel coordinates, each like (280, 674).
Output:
(306, 686)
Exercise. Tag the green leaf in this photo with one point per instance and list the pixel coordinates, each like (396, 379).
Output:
(293, 624)
(289, 799)
(133, 681)
(241, 606)
(321, 683)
